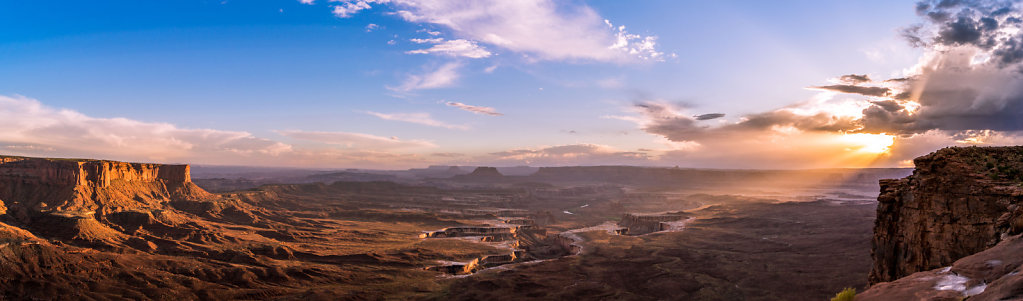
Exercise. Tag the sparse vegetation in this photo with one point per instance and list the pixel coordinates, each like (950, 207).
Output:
(848, 294)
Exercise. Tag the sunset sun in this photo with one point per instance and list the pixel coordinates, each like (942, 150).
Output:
(869, 143)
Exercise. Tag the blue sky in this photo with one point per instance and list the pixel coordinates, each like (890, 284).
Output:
(328, 84)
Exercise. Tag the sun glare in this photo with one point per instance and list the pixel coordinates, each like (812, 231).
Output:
(869, 143)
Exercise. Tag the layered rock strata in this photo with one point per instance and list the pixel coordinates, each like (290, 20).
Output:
(958, 201)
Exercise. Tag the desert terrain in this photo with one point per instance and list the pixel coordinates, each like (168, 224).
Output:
(110, 230)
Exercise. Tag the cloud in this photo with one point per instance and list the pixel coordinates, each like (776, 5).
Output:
(357, 140)
(670, 121)
(967, 89)
(425, 41)
(537, 29)
(854, 79)
(709, 116)
(572, 154)
(456, 48)
(475, 109)
(309, 2)
(417, 118)
(27, 125)
(371, 27)
(30, 128)
(868, 91)
(993, 26)
(968, 80)
(348, 8)
(444, 76)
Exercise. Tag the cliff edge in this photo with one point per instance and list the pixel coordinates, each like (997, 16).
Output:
(959, 201)
(33, 186)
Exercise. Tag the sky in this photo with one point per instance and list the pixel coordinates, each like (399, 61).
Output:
(393, 84)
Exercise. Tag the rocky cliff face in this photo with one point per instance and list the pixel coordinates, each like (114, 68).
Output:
(34, 185)
(958, 201)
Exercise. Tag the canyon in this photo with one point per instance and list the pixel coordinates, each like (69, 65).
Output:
(107, 230)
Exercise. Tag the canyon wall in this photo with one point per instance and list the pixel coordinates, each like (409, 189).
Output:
(638, 224)
(94, 173)
(38, 184)
(958, 201)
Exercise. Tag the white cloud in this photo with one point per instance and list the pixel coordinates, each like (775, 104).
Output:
(424, 41)
(357, 140)
(475, 109)
(446, 75)
(371, 27)
(462, 48)
(417, 118)
(30, 128)
(429, 32)
(348, 8)
(309, 2)
(27, 125)
(538, 29)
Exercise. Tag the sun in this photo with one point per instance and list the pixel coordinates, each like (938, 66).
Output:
(869, 143)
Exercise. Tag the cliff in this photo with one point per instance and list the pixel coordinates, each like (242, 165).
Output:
(34, 185)
(958, 202)
(993, 274)
(638, 224)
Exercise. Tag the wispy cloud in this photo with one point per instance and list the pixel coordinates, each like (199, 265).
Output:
(456, 48)
(537, 29)
(309, 2)
(28, 125)
(417, 118)
(30, 128)
(571, 154)
(357, 140)
(475, 109)
(444, 76)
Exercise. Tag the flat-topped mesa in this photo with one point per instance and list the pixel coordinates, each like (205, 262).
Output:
(93, 173)
(482, 173)
(41, 184)
(638, 224)
(958, 201)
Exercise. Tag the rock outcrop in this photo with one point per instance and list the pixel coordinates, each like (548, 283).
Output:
(958, 202)
(993, 274)
(639, 224)
(71, 185)
(481, 174)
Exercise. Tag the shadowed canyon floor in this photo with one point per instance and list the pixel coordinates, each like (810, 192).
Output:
(111, 231)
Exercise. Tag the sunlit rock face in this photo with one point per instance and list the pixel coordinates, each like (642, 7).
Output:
(958, 201)
(33, 185)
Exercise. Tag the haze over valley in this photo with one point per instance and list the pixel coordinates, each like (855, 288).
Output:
(511, 150)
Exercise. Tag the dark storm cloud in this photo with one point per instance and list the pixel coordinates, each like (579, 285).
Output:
(989, 25)
(854, 89)
(971, 80)
(962, 31)
(709, 116)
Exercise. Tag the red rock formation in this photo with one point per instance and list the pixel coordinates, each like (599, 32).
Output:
(959, 201)
(994, 274)
(33, 185)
